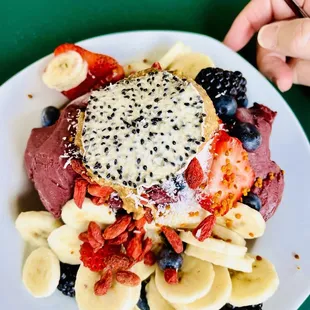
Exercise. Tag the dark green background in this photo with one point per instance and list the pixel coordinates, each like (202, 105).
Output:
(31, 29)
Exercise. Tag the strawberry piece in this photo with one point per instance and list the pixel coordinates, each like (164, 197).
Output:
(102, 70)
(80, 189)
(173, 238)
(204, 229)
(194, 174)
(100, 191)
(231, 175)
(171, 276)
(91, 259)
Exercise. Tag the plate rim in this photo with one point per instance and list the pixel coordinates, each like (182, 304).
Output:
(3, 87)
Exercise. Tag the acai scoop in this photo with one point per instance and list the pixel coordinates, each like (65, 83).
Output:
(45, 161)
(269, 183)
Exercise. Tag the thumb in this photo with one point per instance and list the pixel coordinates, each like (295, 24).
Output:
(289, 38)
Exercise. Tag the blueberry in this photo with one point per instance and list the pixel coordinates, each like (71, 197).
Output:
(49, 116)
(248, 134)
(142, 302)
(252, 201)
(225, 106)
(169, 259)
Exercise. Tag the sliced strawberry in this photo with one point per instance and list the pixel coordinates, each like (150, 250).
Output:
(194, 174)
(230, 175)
(102, 70)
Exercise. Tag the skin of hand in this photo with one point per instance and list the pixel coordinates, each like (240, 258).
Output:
(279, 37)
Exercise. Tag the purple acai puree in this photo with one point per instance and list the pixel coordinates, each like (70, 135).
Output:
(44, 160)
(272, 187)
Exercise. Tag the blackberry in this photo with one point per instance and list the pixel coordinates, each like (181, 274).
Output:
(218, 82)
(67, 279)
(254, 307)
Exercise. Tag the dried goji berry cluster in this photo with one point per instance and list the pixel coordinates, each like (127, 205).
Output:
(115, 250)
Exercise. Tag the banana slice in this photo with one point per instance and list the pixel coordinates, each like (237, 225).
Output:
(118, 296)
(135, 67)
(65, 243)
(35, 226)
(142, 270)
(80, 218)
(218, 295)
(190, 64)
(65, 71)
(177, 50)
(244, 220)
(41, 272)
(228, 235)
(212, 244)
(255, 287)
(232, 262)
(154, 298)
(196, 278)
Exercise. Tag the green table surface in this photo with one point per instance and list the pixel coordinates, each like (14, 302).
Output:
(31, 29)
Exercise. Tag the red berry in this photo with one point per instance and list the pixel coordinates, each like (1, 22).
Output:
(80, 189)
(171, 276)
(204, 229)
(173, 238)
(194, 174)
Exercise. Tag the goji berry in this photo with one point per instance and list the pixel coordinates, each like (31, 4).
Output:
(148, 215)
(120, 239)
(80, 188)
(117, 227)
(95, 238)
(98, 201)
(194, 174)
(131, 226)
(156, 65)
(102, 286)
(204, 229)
(83, 236)
(134, 247)
(118, 261)
(100, 191)
(173, 238)
(149, 258)
(140, 223)
(127, 278)
(78, 167)
(146, 247)
(171, 276)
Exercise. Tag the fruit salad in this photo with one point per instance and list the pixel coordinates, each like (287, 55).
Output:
(153, 177)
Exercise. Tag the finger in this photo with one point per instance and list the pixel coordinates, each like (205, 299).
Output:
(275, 68)
(290, 38)
(247, 23)
(255, 15)
(301, 69)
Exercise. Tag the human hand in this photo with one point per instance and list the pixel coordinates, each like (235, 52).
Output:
(278, 38)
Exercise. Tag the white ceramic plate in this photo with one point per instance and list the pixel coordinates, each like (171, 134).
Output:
(287, 232)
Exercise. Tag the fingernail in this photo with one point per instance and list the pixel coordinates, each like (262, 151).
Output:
(267, 36)
(283, 87)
